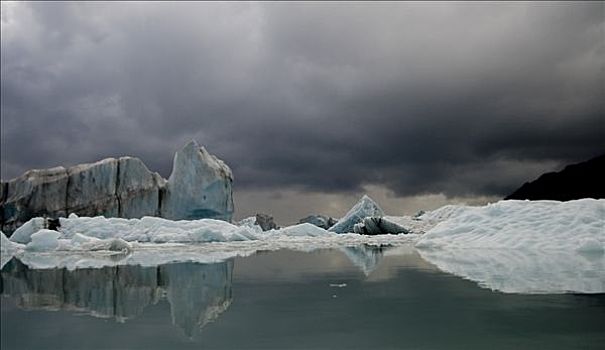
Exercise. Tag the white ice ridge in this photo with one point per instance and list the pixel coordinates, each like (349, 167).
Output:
(513, 224)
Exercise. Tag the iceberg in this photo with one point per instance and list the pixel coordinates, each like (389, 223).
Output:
(199, 187)
(378, 226)
(443, 213)
(44, 240)
(266, 222)
(35, 193)
(412, 224)
(364, 208)
(24, 232)
(514, 224)
(303, 230)
(322, 221)
(517, 246)
(262, 222)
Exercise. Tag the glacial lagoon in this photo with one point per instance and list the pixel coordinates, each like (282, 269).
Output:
(359, 297)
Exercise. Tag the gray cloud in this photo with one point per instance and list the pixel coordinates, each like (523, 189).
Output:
(420, 98)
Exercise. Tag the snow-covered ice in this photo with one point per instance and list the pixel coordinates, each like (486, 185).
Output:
(24, 232)
(146, 229)
(514, 224)
(302, 230)
(44, 240)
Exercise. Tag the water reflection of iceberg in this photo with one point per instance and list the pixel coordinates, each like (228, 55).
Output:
(197, 293)
(524, 270)
(365, 257)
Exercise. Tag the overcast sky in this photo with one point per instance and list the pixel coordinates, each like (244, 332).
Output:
(311, 104)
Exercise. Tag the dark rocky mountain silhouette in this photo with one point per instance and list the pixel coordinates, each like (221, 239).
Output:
(581, 180)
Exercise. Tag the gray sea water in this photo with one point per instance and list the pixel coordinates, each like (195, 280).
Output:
(351, 298)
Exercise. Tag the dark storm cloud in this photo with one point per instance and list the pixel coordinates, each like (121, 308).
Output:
(418, 97)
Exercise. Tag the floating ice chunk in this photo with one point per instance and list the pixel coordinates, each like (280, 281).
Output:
(259, 223)
(364, 208)
(79, 239)
(250, 222)
(44, 240)
(118, 244)
(517, 224)
(338, 285)
(158, 230)
(318, 220)
(378, 226)
(24, 232)
(306, 229)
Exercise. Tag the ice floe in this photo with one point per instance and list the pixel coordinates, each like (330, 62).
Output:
(513, 224)
(522, 246)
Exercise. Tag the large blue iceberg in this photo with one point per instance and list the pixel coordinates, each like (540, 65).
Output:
(199, 187)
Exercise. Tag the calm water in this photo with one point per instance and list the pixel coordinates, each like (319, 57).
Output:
(362, 297)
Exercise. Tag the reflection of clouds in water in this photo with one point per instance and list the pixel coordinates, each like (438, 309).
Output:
(524, 271)
(197, 293)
